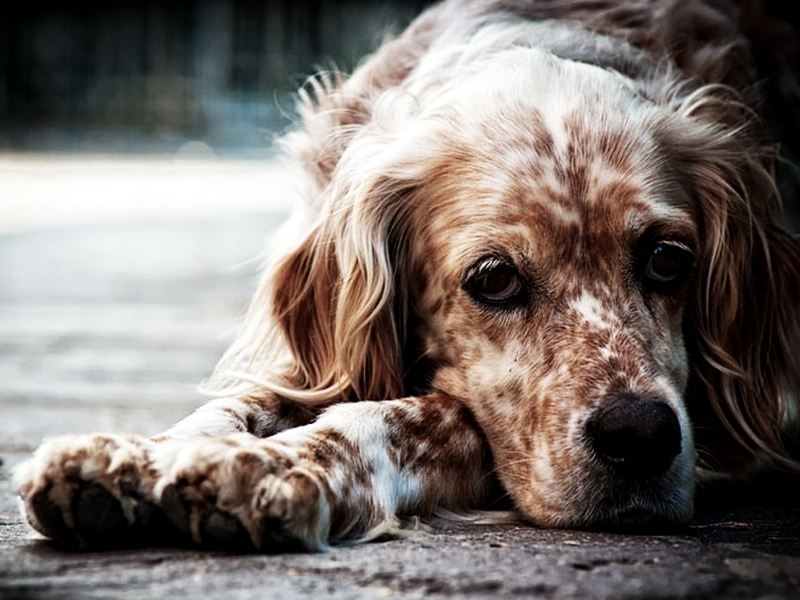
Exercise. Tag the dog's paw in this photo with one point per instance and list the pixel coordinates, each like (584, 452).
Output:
(91, 490)
(235, 494)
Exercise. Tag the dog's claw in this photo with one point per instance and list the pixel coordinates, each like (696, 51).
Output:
(246, 498)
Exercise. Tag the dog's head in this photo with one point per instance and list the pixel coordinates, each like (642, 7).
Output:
(592, 271)
(556, 244)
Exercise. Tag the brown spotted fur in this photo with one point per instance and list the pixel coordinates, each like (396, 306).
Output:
(369, 383)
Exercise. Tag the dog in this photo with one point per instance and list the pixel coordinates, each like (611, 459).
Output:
(542, 260)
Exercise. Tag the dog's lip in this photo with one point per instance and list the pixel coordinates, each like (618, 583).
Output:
(651, 516)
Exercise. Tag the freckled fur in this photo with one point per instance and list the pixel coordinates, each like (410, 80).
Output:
(368, 382)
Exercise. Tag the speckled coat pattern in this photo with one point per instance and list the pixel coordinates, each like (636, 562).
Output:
(541, 258)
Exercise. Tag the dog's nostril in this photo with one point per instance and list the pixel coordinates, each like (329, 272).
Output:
(638, 436)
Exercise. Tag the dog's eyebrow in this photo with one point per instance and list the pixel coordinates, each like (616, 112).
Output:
(663, 220)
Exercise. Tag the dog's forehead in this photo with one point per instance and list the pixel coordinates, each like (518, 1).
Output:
(543, 156)
(588, 184)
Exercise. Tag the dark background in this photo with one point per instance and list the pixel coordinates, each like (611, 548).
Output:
(146, 76)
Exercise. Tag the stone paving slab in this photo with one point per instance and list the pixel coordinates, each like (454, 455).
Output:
(108, 327)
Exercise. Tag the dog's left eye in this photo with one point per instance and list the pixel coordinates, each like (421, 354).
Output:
(494, 281)
(668, 263)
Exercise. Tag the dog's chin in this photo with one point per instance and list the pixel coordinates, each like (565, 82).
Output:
(630, 520)
(653, 507)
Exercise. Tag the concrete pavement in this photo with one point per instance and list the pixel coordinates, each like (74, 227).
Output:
(106, 322)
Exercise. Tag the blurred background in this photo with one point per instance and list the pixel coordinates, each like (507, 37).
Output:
(139, 188)
(138, 191)
(192, 76)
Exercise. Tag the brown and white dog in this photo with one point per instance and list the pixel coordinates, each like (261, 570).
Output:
(543, 247)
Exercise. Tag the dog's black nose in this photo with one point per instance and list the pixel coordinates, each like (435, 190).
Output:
(638, 436)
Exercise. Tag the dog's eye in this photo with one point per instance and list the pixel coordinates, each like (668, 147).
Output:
(494, 281)
(668, 263)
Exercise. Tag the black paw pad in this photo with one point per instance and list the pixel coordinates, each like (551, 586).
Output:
(226, 532)
(98, 514)
(278, 539)
(282, 543)
(152, 527)
(174, 508)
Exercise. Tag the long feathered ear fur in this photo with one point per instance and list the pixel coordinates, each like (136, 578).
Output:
(328, 320)
(340, 306)
(743, 325)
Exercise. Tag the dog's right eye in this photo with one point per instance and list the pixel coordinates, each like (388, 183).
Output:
(666, 265)
(494, 281)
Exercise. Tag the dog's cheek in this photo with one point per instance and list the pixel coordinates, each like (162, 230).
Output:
(522, 425)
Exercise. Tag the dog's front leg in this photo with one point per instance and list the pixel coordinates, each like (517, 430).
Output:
(348, 476)
(344, 476)
(99, 489)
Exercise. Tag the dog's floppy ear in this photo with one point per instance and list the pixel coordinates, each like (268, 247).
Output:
(328, 321)
(745, 318)
(743, 324)
(339, 302)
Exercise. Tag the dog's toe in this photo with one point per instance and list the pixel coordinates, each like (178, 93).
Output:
(91, 490)
(237, 497)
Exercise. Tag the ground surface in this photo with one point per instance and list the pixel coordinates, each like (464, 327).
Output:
(106, 322)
